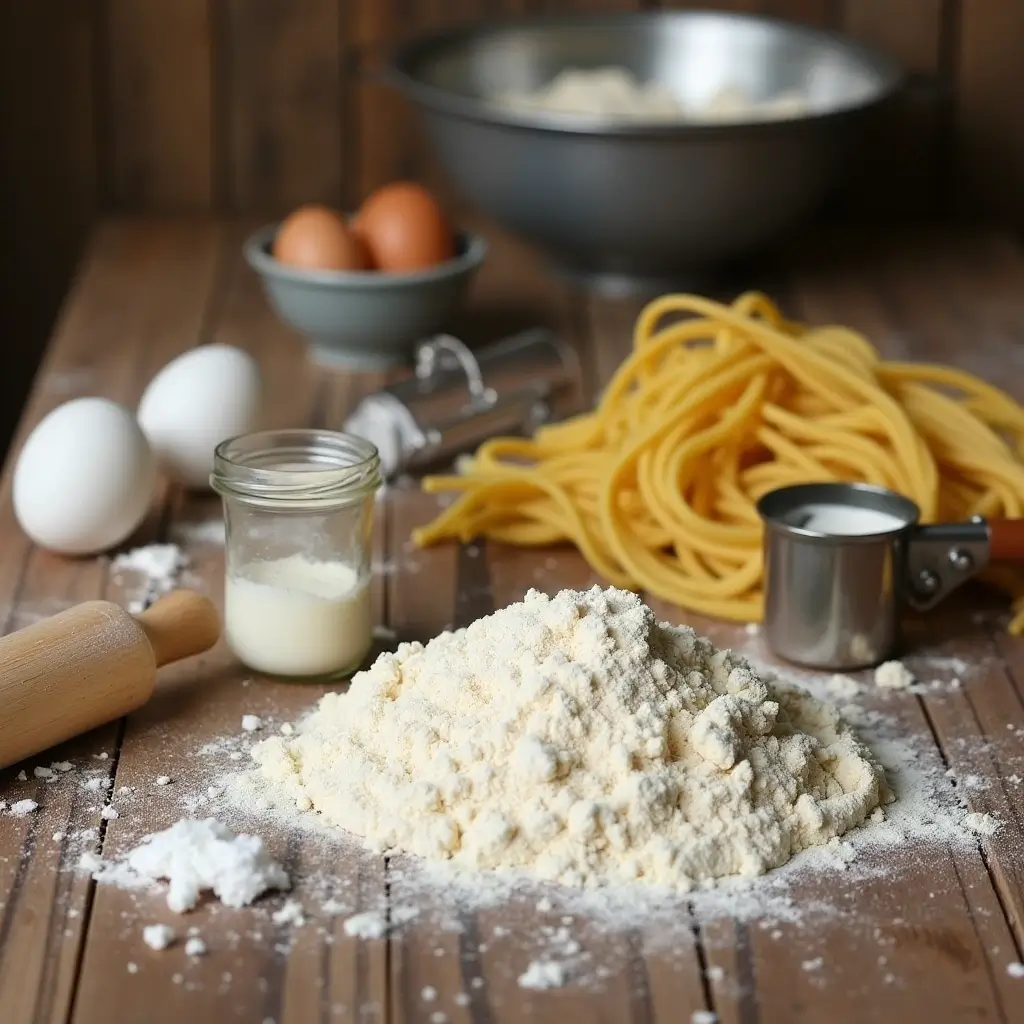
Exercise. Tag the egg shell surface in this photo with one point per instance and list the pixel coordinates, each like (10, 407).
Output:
(84, 478)
(317, 238)
(405, 228)
(196, 401)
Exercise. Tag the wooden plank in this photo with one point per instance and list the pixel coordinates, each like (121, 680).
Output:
(473, 972)
(256, 969)
(989, 143)
(100, 347)
(288, 137)
(906, 307)
(806, 12)
(749, 6)
(47, 69)
(980, 726)
(909, 934)
(391, 146)
(899, 168)
(43, 908)
(122, 303)
(764, 976)
(158, 110)
(643, 977)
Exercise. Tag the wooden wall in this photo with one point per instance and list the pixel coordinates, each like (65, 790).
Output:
(188, 106)
(236, 105)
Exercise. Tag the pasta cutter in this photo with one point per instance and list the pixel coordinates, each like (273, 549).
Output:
(842, 561)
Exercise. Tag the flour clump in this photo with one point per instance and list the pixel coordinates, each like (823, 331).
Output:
(576, 738)
(195, 856)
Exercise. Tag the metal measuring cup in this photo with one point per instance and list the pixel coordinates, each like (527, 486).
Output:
(841, 561)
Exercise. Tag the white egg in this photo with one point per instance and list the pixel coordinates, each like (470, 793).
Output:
(85, 477)
(196, 401)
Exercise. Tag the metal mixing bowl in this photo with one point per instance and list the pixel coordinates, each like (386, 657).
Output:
(649, 204)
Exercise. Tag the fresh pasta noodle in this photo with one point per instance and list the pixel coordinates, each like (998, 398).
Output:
(715, 406)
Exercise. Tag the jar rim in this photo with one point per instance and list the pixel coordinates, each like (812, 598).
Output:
(301, 468)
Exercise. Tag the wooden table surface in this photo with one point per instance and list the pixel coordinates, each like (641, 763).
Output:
(928, 943)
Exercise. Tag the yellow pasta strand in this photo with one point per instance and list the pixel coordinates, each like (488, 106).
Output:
(715, 406)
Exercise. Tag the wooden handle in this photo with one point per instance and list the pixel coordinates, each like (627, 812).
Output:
(179, 625)
(1006, 540)
(91, 664)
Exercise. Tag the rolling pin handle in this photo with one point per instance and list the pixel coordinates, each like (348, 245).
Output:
(1006, 540)
(179, 625)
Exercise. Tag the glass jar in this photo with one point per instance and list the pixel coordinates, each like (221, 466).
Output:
(298, 510)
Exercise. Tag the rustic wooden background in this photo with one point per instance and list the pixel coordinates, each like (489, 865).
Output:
(222, 106)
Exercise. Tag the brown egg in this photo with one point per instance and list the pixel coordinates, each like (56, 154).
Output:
(404, 228)
(316, 238)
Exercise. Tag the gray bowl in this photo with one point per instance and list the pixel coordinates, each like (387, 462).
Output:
(643, 203)
(364, 319)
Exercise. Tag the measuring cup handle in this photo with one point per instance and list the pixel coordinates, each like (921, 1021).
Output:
(1006, 540)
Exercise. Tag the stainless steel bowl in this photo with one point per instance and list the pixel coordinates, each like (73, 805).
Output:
(648, 204)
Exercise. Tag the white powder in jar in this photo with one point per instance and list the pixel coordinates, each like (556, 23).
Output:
(296, 616)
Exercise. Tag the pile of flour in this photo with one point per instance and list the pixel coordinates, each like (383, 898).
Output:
(576, 739)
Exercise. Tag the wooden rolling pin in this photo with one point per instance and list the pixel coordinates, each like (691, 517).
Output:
(91, 664)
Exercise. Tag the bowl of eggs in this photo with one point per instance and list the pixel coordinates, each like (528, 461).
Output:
(364, 289)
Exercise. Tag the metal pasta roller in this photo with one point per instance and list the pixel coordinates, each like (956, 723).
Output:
(458, 398)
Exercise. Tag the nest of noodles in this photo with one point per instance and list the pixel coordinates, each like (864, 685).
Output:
(657, 486)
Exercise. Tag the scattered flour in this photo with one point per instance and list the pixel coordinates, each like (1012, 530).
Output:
(542, 974)
(577, 739)
(983, 824)
(22, 776)
(163, 780)
(195, 856)
(893, 675)
(368, 925)
(703, 1017)
(373, 924)
(159, 565)
(195, 947)
(22, 807)
(158, 936)
(251, 723)
(841, 688)
(1015, 970)
(290, 913)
